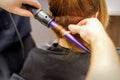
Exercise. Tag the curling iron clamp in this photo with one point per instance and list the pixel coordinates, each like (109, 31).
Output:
(48, 21)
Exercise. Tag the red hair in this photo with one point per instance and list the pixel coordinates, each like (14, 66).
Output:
(67, 12)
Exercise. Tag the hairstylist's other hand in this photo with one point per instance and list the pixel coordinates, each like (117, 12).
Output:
(89, 29)
(15, 6)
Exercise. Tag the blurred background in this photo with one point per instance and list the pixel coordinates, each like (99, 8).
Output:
(42, 35)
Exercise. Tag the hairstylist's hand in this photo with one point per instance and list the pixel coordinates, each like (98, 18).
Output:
(14, 6)
(89, 29)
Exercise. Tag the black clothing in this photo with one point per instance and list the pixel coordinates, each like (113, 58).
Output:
(55, 63)
(13, 55)
(10, 47)
(7, 32)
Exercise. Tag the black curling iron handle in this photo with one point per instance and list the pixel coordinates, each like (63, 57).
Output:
(31, 8)
(39, 14)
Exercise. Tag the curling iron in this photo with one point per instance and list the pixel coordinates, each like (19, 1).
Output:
(48, 21)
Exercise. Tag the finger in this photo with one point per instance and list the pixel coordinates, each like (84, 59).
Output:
(34, 3)
(82, 22)
(23, 12)
(74, 29)
(86, 21)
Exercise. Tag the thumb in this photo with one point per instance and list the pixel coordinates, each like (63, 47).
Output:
(74, 29)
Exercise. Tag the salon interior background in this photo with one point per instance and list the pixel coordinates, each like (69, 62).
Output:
(43, 35)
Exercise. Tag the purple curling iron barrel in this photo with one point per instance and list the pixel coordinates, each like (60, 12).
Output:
(48, 21)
